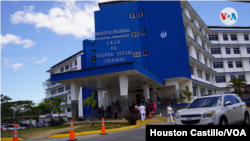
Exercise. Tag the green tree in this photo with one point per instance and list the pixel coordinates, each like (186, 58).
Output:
(55, 103)
(6, 110)
(238, 84)
(187, 94)
(22, 106)
(89, 101)
(46, 85)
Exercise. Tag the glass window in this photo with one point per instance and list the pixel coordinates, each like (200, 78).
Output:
(143, 32)
(69, 97)
(238, 64)
(205, 60)
(225, 38)
(217, 65)
(135, 34)
(53, 92)
(68, 109)
(145, 52)
(202, 91)
(197, 54)
(233, 99)
(226, 99)
(246, 37)
(67, 87)
(191, 70)
(241, 77)
(213, 37)
(230, 64)
(199, 72)
(220, 79)
(62, 69)
(93, 59)
(70, 65)
(206, 102)
(203, 44)
(132, 15)
(248, 50)
(75, 63)
(236, 51)
(209, 92)
(53, 83)
(194, 91)
(66, 67)
(93, 50)
(195, 38)
(232, 77)
(228, 51)
(61, 90)
(215, 50)
(233, 38)
(207, 77)
(95, 94)
(137, 54)
(141, 13)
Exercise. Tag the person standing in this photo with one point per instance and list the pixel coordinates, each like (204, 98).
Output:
(99, 113)
(154, 108)
(142, 111)
(170, 113)
(134, 103)
(102, 111)
(109, 111)
(136, 109)
(115, 111)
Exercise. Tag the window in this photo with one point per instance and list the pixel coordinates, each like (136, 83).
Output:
(232, 77)
(66, 67)
(75, 63)
(228, 51)
(93, 59)
(70, 65)
(68, 88)
(238, 64)
(188, 49)
(95, 94)
(61, 90)
(202, 91)
(202, 44)
(191, 20)
(217, 64)
(236, 51)
(191, 70)
(68, 109)
(230, 64)
(194, 91)
(246, 37)
(207, 77)
(195, 38)
(241, 77)
(209, 92)
(53, 83)
(141, 13)
(69, 97)
(93, 50)
(205, 60)
(133, 15)
(143, 32)
(233, 38)
(135, 34)
(248, 50)
(53, 92)
(225, 38)
(197, 54)
(220, 79)
(66, 97)
(226, 99)
(233, 99)
(215, 50)
(213, 37)
(199, 72)
(137, 54)
(62, 69)
(145, 52)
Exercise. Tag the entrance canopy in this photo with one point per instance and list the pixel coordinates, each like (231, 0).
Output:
(101, 78)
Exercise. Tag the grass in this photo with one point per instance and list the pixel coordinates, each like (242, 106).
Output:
(44, 132)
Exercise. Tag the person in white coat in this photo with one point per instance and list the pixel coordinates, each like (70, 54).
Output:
(142, 111)
(170, 113)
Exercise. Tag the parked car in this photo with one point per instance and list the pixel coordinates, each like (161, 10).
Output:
(40, 124)
(11, 126)
(3, 129)
(26, 125)
(214, 110)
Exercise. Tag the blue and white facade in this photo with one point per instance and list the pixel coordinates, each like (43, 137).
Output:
(151, 49)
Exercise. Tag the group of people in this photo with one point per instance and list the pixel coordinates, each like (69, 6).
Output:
(112, 110)
(167, 100)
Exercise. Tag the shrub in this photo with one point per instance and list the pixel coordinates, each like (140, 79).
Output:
(131, 118)
(55, 121)
(80, 119)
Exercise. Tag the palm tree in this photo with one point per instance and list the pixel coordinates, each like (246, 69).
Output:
(89, 101)
(55, 103)
(186, 93)
(238, 84)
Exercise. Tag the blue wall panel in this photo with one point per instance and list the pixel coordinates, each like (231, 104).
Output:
(89, 50)
(85, 94)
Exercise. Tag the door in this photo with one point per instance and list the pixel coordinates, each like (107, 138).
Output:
(237, 107)
(138, 99)
(229, 110)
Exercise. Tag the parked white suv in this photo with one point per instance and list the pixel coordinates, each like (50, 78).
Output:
(214, 110)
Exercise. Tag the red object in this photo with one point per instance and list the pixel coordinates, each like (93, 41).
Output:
(72, 134)
(150, 116)
(3, 129)
(103, 128)
(15, 135)
(223, 16)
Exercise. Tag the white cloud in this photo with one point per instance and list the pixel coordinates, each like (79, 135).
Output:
(14, 66)
(40, 61)
(65, 19)
(10, 38)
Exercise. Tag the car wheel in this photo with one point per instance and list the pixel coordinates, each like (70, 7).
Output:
(223, 121)
(246, 119)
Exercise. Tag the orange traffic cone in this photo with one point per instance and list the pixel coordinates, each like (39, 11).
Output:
(15, 135)
(72, 134)
(150, 116)
(103, 128)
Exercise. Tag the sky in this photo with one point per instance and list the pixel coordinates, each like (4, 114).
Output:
(36, 35)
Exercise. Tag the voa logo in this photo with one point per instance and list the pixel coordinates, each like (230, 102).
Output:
(163, 34)
(228, 16)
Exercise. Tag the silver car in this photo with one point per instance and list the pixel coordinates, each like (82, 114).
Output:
(214, 110)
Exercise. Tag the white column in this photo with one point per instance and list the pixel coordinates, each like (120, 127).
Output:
(154, 94)
(123, 79)
(146, 92)
(108, 96)
(101, 100)
(220, 38)
(208, 62)
(189, 31)
(195, 72)
(202, 58)
(186, 12)
(198, 91)
(243, 51)
(192, 51)
(204, 75)
(228, 78)
(75, 90)
(199, 40)
(80, 103)
(206, 90)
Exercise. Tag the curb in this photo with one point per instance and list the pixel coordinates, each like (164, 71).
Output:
(248, 108)
(93, 132)
(164, 119)
(9, 139)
